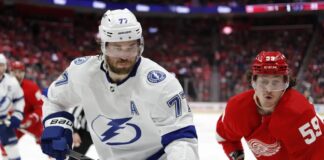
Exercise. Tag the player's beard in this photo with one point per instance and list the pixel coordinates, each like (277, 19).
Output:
(114, 65)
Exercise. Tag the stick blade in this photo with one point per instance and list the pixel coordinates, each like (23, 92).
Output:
(78, 156)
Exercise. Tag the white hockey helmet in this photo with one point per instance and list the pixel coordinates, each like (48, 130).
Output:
(119, 26)
(3, 58)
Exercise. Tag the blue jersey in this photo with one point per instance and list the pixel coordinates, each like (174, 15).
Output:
(146, 116)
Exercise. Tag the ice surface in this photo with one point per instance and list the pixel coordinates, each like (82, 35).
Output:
(205, 125)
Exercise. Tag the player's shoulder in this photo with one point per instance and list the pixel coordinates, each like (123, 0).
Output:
(10, 80)
(241, 113)
(84, 66)
(294, 103)
(292, 111)
(154, 74)
(241, 104)
(85, 61)
(241, 100)
(242, 96)
(29, 84)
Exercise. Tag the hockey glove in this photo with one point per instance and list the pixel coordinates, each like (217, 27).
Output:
(237, 155)
(14, 122)
(32, 119)
(56, 139)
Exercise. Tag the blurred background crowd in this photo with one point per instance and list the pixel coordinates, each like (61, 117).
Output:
(209, 54)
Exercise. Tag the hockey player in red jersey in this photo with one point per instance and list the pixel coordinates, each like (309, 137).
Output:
(277, 121)
(31, 124)
(33, 108)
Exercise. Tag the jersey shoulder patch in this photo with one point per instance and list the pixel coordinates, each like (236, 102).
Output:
(80, 60)
(156, 76)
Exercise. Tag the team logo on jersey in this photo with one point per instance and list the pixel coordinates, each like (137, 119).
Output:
(156, 76)
(81, 60)
(116, 131)
(4, 105)
(262, 149)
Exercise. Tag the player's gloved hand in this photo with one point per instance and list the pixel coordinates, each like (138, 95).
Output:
(29, 121)
(237, 155)
(25, 124)
(56, 139)
(14, 122)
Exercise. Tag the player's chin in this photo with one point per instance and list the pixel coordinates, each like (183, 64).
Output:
(123, 70)
(124, 65)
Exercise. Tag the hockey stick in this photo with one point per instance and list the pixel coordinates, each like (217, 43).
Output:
(78, 156)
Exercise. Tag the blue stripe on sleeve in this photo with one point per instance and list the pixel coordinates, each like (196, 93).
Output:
(22, 113)
(17, 99)
(186, 132)
(156, 155)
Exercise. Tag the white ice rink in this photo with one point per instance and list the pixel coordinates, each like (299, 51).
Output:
(205, 125)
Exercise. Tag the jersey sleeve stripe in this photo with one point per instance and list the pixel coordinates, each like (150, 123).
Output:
(186, 132)
(18, 114)
(17, 99)
(156, 155)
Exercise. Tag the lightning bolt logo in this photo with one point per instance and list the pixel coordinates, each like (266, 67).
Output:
(115, 130)
(115, 126)
(4, 105)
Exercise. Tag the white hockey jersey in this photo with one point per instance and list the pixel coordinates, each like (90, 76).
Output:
(11, 94)
(143, 117)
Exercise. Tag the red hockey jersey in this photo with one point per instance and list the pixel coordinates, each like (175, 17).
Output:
(33, 107)
(292, 131)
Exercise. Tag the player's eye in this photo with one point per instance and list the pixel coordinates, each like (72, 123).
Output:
(275, 83)
(264, 82)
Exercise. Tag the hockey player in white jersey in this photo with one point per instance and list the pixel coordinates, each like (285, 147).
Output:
(11, 100)
(135, 108)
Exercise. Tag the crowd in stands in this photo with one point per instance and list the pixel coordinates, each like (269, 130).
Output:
(313, 82)
(48, 46)
(238, 49)
(184, 48)
(209, 3)
(187, 47)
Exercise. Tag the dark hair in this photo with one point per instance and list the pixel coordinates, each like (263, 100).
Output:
(292, 80)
